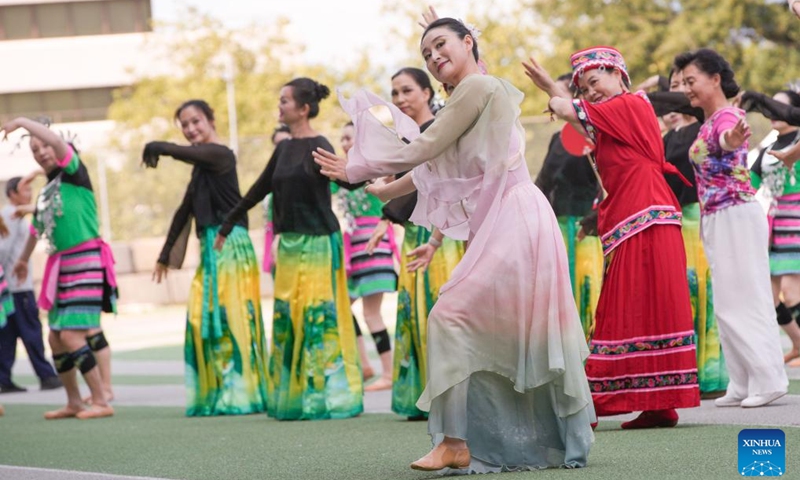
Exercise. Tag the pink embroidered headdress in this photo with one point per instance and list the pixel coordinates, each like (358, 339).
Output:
(597, 57)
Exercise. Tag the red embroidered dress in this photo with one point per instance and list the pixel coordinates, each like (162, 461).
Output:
(642, 354)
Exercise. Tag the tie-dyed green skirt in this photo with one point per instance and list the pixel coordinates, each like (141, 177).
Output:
(313, 370)
(225, 345)
(712, 376)
(416, 294)
(585, 270)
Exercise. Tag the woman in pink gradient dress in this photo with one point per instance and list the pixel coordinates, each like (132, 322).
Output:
(506, 388)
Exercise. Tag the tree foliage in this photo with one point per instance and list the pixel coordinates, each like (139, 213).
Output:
(758, 37)
(142, 201)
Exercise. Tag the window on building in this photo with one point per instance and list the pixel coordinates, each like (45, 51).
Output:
(61, 106)
(87, 18)
(67, 18)
(122, 16)
(17, 22)
(53, 20)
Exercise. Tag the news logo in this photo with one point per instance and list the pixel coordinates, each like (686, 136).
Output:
(762, 453)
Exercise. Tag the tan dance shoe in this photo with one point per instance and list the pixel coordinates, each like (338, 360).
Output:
(443, 457)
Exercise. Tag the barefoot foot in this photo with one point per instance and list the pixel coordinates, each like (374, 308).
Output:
(793, 354)
(96, 411)
(108, 394)
(66, 412)
(379, 384)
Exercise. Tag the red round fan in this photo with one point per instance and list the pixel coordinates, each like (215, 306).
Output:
(575, 143)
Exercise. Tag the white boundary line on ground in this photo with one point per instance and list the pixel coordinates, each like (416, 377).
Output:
(109, 476)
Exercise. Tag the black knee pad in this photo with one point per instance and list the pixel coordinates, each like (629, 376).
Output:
(84, 359)
(382, 343)
(63, 362)
(784, 314)
(794, 314)
(358, 329)
(97, 342)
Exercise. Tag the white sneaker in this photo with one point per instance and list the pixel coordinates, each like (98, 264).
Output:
(761, 399)
(728, 401)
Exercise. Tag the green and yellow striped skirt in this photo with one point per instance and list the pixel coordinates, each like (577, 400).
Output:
(585, 270)
(416, 294)
(313, 370)
(225, 348)
(712, 376)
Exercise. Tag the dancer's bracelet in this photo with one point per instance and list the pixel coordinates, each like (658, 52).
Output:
(434, 242)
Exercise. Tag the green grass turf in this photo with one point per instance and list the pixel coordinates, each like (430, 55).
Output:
(161, 442)
(794, 387)
(169, 352)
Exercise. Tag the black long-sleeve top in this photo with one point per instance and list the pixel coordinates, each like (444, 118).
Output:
(676, 149)
(568, 182)
(399, 210)
(666, 102)
(674, 102)
(301, 195)
(213, 190)
(770, 108)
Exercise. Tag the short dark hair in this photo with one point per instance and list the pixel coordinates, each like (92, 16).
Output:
(12, 185)
(420, 78)
(201, 105)
(794, 97)
(306, 91)
(711, 63)
(455, 26)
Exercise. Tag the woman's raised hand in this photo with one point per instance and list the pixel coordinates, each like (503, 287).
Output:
(539, 75)
(737, 135)
(333, 167)
(428, 17)
(10, 126)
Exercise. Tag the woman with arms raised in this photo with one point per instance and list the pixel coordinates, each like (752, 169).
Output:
(505, 346)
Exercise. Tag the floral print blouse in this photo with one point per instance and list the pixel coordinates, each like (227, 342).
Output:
(723, 179)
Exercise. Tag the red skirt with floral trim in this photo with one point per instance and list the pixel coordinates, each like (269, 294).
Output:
(642, 355)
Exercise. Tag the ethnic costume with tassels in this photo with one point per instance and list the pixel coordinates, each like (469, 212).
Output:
(225, 348)
(79, 281)
(313, 370)
(642, 353)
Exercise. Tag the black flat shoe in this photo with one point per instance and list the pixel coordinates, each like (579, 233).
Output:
(51, 383)
(12, 388)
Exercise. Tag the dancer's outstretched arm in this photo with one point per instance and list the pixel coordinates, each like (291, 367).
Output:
(560, 100)
(388, 191)
(788, 156)
(40, 131)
